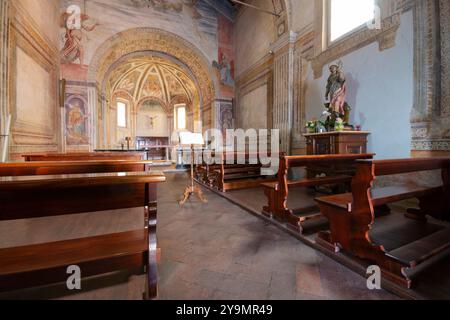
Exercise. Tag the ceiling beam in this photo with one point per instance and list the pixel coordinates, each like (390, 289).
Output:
(257, 8)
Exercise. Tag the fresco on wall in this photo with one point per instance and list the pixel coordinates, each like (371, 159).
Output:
(75, 26)
(225, 65)
(226, 117)
(76, 121)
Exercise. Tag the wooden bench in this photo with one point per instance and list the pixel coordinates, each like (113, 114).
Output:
(225, 175)
(84, 156)
(277, 192)
(27, 197)
(404, 251)
(72, 167)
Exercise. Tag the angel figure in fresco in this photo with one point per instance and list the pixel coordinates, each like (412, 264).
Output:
(73, 49)
(336, 92)
(224, 68)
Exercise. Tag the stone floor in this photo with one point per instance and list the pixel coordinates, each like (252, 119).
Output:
(219, 251)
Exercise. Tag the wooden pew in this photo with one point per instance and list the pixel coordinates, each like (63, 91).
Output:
(26, 197)
(402, 252)
(225, 176)
(84, 156)
(72, 167)
(277, 192)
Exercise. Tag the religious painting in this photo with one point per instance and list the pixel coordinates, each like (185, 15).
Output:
(77, 132)
(225, 70)
(226, 117)
(225, 63)
(74, 27)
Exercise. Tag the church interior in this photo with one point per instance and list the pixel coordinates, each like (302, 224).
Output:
(224, 149)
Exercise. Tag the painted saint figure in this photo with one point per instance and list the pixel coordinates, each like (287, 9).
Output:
(76, 123)
(224, 68)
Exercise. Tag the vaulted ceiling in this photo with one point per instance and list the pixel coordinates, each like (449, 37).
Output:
(152, 77)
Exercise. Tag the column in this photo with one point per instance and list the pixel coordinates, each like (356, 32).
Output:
(4, 23)
(283, 81)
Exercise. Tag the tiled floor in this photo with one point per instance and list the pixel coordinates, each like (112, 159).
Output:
(219, 251)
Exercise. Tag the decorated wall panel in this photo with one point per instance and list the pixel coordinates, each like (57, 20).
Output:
(33, 82)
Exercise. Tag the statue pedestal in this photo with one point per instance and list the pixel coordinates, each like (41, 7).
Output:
(337, 142)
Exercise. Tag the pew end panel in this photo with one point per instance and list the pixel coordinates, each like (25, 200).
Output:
(405, 251)
(278, 193)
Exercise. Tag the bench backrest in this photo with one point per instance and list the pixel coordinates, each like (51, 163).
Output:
(85, 156)
(400, 166)
(367, 171)
(71, 167)
(303, 161)
(25, 197)
(246, 157)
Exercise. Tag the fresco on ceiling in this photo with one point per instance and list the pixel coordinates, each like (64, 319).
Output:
(152, 77)
(199, 11)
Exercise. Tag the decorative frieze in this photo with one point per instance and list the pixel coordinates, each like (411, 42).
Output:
(431, 145)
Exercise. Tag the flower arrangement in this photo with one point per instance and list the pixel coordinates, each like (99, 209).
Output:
(311, 126)
(339, 125)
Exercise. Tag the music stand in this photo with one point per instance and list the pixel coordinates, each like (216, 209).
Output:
(192, 139)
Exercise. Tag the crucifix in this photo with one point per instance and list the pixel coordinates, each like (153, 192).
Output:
(152, 121)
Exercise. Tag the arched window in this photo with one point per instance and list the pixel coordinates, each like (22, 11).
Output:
(180, 117)
(346, 16)
(121, 114)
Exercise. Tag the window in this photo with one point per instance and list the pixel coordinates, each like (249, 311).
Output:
(121, 115)
(180, 117)
(348, 15)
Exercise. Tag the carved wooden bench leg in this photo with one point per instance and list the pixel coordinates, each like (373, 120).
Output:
(269, 210)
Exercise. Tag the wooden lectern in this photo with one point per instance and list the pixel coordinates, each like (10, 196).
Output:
(192, 139)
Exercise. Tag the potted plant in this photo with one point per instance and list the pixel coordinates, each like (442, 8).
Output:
(311, 126)
(339, 125)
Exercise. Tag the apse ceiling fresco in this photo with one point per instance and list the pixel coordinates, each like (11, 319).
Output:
(145, 77)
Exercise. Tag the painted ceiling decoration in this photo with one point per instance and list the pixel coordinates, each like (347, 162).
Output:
(226, 8)
(152, 77)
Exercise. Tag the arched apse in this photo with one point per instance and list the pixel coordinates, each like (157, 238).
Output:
(158, 42)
